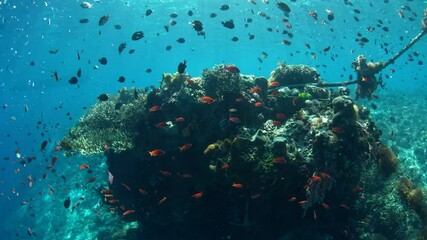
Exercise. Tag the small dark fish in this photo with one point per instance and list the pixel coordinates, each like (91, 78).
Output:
(43, 146)
(420, 63)
(78, 55)
(182, 66)
(228, 24)
(172, 22)
(169, 47)
(32, 63)
(79, 72)
(249, 20)
(357, 11)
(181, 40)
(122, 79)
(103, 61)
(166, 27)
(385, 29)
(103, 97)
(56, 75)
(356, 19)
(190, 13)
(197, 25)
(364, 39)
(283, 6)
(54, 51)
(213, 15)
(173, 15)
(224, 7)
(148, 12)
(122, 47)
(67, 202)
(103, 20)
(373, 106)
(251, 36)
(84, 20)
(148, 70)
(118, 26)
(131, 51)
(137, 35)
(235, 39)
(73, 80)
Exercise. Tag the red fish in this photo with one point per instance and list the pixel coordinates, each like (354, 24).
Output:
(113, 201)
(256, 90)
(179, 119)
(279, 160)
(161, 124)
(225, 166)
(128, 212)
(185, 147)
(234, 119)
(231, 68)
(258, 104)
(237, 185)
(277, 123)
(154, 108)
(207, 99)
(273, 84)
(165, 173)
(157, 153)
(281, 116)
(197, 195)
(83, 166)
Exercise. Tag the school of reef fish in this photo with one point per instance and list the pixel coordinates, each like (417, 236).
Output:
(226, 155)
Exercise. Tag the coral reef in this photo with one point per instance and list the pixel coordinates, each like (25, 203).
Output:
(226, 153)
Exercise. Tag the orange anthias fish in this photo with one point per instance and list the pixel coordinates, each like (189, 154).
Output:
(279, 160)
(273, 84)
(256, 90)
(237, 185)
(234, 119)
(207, 99)
(161, 124)
(197, 195)
(185, 147)
(83, 166)
(157, 153)
(128, 212)
(154, 108)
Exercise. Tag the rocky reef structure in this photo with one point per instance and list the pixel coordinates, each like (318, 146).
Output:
(236, 156)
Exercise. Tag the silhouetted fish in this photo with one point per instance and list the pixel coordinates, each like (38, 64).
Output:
(67, 202)
(182, 66)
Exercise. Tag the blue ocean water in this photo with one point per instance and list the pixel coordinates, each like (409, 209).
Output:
(36, 107)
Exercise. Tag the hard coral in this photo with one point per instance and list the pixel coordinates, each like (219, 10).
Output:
(294, 74)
